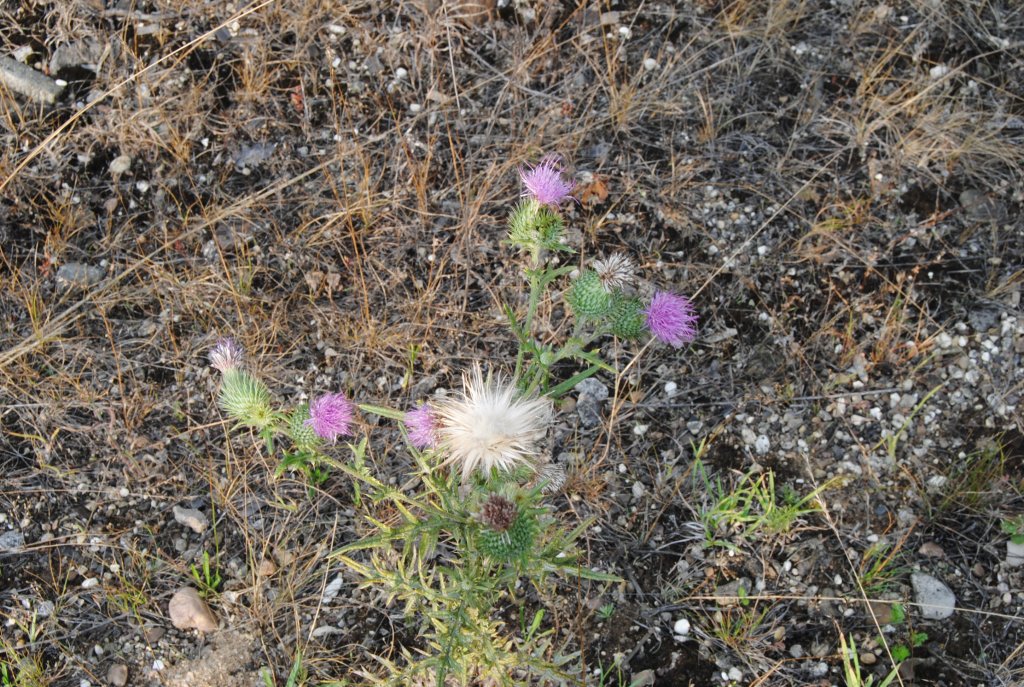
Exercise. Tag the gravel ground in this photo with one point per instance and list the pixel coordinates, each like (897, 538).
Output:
(837, 185)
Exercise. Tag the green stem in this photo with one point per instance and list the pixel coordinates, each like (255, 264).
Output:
(537, 283)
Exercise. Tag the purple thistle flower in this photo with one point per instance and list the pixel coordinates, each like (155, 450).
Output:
(544, 183)
(226, 355)
(331, 416)
(671, 318)
(422, 426)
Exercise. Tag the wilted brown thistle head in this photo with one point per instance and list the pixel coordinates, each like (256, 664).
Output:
(498, 513)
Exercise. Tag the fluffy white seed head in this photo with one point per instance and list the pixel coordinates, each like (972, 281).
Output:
(490, 425)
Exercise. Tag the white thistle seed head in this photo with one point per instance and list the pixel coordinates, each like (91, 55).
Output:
(490, 425)
(615, 271)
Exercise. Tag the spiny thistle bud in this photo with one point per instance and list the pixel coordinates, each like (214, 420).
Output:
(532, 227)
(627, 317)
(300, 429)
(245, 398)
(517, 534)
(587, 296)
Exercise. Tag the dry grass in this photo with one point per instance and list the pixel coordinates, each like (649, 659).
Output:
(364, 253)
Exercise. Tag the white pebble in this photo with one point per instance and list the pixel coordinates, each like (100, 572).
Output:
(670, 388)
(401, 73)
(682, 627)
(650, 64)
(640, 430)
(938, 71)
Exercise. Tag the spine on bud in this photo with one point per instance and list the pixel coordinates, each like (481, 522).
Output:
(300, 430)
(627, 317)
(509, 532)
(246, 399)
(587, 296)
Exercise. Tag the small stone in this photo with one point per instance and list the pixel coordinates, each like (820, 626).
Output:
(882, 611)
(681, 628)
(267, 568)
(729, 594)
(79, 274)
(593, 388)
(192, 519)
(931, 550)
(796, 651)
(120, 164)
(650, 64)
(1014, 554)
(12, 541)
(645, 678)
(588, 410)
(935, 600)
(867, 658)
(189, 611)
(153, 634)
(117, 675)
(980, 208)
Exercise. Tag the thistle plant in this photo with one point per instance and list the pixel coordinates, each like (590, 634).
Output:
(470, 530)
(460, 546)
(602, 297)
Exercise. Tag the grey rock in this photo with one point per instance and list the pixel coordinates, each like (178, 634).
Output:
(85, 53)
(729, 594)
(22, 79)
(983, 317)
(79, 274)
(119, 165)
(1014, 554)
(589, 411)
(936, 601)
(192, 519)
(593, 388)
(645, 678)
(981, 208)
(12, 541)
(253, 154)
(117, 675)
(188, 611)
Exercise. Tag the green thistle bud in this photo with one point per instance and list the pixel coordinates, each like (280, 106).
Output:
(300, 430)
(587, 296)
(508, 532)
(627, 317)
(534, 227)
(245, 398)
